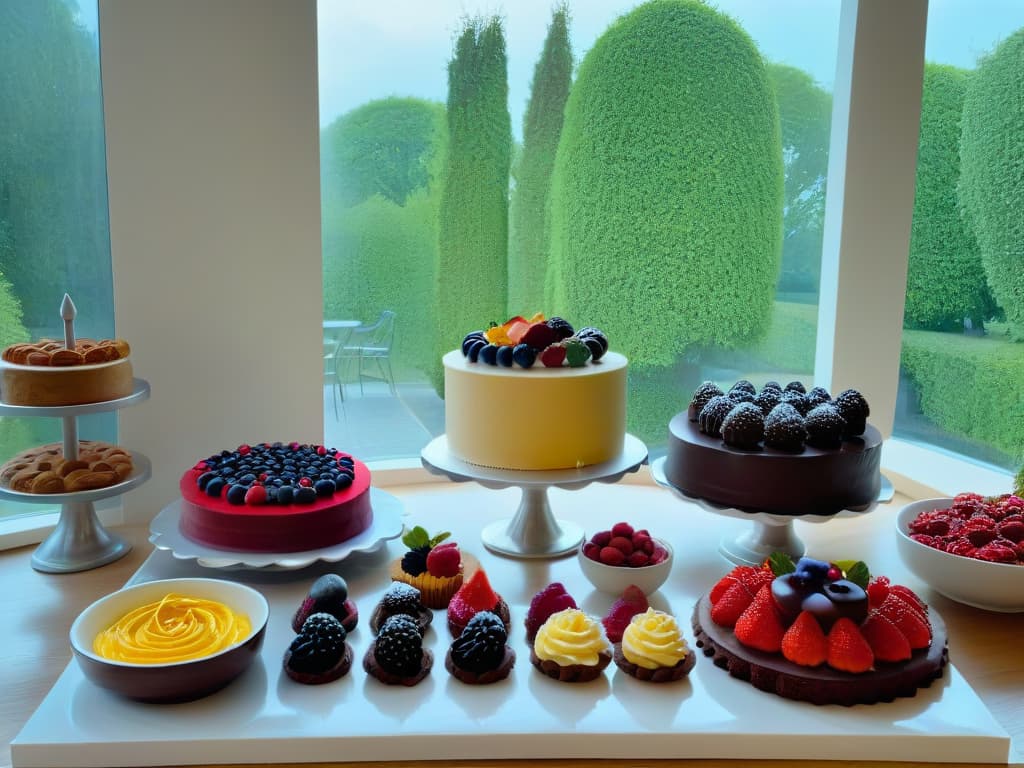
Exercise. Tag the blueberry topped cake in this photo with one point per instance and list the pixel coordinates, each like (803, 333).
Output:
(276, 497)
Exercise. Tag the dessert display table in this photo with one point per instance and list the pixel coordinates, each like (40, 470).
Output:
(264, 717)
(533, 532)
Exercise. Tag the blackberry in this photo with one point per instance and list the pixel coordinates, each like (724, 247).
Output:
(562, 328)
(700, 398)
(796, 386)
(767, 399)
(797, 399)
(772, 385)
(481, 646)
(743, 426)
(825, 425)
(817, 396)
(854, 409)
(743, 385)
(784, 428)
(710, 419)
(399, 646)
(740, 396)
(414, 562)
(401, 598)
(319, 645)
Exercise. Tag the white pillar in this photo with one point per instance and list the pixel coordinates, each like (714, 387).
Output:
(872, 161)
(213, 168)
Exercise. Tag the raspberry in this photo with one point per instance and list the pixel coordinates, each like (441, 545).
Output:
(1014, 531)
(632, 602)
(621, 543)
(552, 599)
(928, 541)
(637, 560)
(622, 529)
(659, 555)
(639, 540)
(444, 560)
(997, 553)
(591, 550)
(601, 538)
(962, 547)
(612, 556)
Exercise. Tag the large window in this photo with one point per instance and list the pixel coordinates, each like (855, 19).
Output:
(54, 233)
(658, 171)
(962, 373)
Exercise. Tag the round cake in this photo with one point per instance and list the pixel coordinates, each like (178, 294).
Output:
(276, 497)
(558, 405)
(873, 644)
(45, 373)
(799, 459)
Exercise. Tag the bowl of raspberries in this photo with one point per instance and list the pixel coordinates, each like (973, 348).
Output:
(614, 559)
(969, 548)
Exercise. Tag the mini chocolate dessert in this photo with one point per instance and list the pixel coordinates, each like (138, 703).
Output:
(401, 599)
(329, 594)
(481, 654)
(319, 653)
(474, 596)
(397, 656)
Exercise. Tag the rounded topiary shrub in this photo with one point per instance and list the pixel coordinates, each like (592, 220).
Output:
(991, 181)
(666, 199)
(945, 279)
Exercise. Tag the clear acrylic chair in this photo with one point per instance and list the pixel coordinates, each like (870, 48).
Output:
(369, 348)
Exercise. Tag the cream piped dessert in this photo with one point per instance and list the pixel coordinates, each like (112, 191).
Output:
(571, 647)
(653, 648)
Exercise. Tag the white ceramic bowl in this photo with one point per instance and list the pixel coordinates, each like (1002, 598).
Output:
(978, 583)
(613, 579)
(177, 681)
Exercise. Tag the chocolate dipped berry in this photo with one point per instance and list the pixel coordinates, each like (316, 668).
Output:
(481, 654)
(401, 599)
(713, 413)
(700, 398)
(816, 396)
(825, 426)
(743, 386)
(319, 653)
(329, 594)
(796, 399)
(743, 426)
(767, 399)
(796, 386)
(854, 410)
(849, 599)
(784, 428)
(397, 656)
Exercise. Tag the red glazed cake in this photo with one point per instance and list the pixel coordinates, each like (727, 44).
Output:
(827, 633)
(276, 497)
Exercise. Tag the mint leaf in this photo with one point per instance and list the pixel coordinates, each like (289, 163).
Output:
(417, 537)
(781, 563)
(438, 539)
(858, 573)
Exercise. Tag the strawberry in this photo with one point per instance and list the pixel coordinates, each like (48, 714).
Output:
(730, 606)
(632, 602)
(752, 578)
(886, 641)
(725, 582)
(552, 599)
(760, 626)
(878, 590)
(804, 642)
(907, 620)
(910, 598)
(474, 596)
(847, 648)
(444, 560)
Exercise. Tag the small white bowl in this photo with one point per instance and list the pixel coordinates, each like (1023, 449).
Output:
(176, 681)
(613, 579)
(978, 583)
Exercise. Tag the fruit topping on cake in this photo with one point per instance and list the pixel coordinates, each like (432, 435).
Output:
(632, 602)
(784, 428)
(796, 399)
(713, 414)
(552, 599)
(401, 599)
(796, 386)
(767, 399)
(481, 654)
(700, 398)
(474, 596)
(523, 342)
(397, 655)
(825, 426)
(571, 647)
(319, 653)
(290, 473)
(653, 648)
(983, 528)
(743, 426)
(625, 546)
(329, 594)
(855, 411)
(433, 565)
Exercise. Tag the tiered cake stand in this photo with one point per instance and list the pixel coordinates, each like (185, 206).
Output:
(769, 532)
(533, 532)
(79, 542)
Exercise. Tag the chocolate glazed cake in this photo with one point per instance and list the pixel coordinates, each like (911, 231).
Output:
(813, 481)
(820, 685)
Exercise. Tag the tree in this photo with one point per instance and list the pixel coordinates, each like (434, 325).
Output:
(473, 269)
(805, 117)
(666, 199)
(945, 279)
(542, 127)
(991, 187)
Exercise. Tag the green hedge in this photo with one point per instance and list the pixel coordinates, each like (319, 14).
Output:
(666, 199)
(991, 179)
(542, 127)
(969, 386)
(945, 279)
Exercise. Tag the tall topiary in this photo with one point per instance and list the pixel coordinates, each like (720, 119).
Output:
(666, 199)
(805, 116)
(542, 127)
(991, 182)
(473, 251)
(945, 279)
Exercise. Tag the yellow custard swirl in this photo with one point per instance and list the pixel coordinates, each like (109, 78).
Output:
(653, 640)
(175, 628)
(571, 637)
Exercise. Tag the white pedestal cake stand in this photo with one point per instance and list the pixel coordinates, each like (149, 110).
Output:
(80, 542)
(769, 532)
(533, 532)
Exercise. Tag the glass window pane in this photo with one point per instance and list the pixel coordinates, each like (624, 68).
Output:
(962, 372)
(657, 172)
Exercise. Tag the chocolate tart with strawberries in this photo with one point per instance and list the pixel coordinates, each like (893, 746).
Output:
(826, 633)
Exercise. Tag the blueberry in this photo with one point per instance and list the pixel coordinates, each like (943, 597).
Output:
(489, 354)
(815, 569)
(473, 350)
(225, 471)
(524, 355)
(596, 350)
(304, 495)
(204, 478)
(504, 356)
(470, 338)
(346, 461)
(285, 494)
(248, 479)
(324, 487)
(214, 487)
(271, 494)
(236, 494)
(343, 481)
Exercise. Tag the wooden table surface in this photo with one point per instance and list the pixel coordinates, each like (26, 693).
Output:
(37, 609)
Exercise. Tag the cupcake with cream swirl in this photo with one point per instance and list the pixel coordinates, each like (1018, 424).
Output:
(653, 648)
(571, 647)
